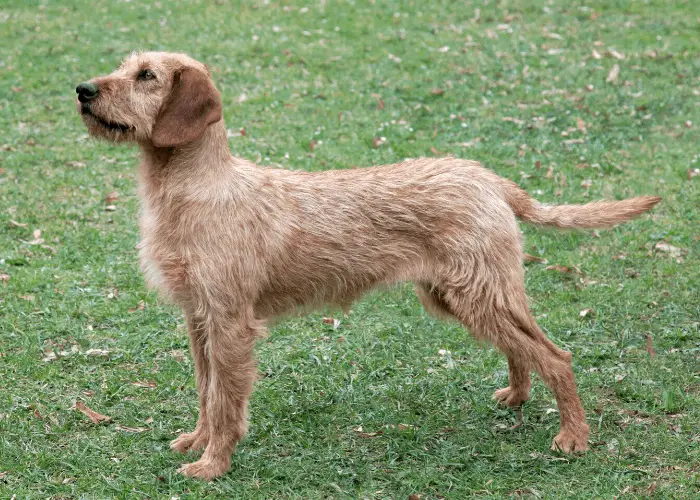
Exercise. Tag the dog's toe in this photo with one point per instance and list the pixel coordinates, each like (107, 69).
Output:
(510, 397)
(205, 469)
(568, 442)
(188, 441)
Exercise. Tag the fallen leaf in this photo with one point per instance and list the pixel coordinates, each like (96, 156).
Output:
(178, 355)
(97, 352)
(146, 385)
(650, 346)
(312, 145)
(532, 258)
(404, 427)
(413, 496)
(149, 420)
(363, 434)
(17, 224)
(688, 124)
(4, 277)
(139, 307)
(332, 321)
(437, 91)
(596, 54)
(651, 488)
(91, 414)
(28, 298)
(586, 312)
(674, 252)
(693, 172)
(3, 474)
(563, 269)
(132, 429)
(613, 74)
(37, 234)
(110, 208)
(435, 151)
(111, 197)
(580, 124)
(616, 54)
(378, 141)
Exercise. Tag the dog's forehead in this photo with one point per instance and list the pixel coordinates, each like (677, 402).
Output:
(160, 60)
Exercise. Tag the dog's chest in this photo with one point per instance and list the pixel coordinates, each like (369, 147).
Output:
(162, 264)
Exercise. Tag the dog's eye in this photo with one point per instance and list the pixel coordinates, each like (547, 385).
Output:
(146, 74)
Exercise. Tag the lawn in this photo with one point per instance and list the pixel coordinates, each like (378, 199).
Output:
(573, 100)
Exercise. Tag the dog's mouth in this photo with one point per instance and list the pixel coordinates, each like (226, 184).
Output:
(119, 127)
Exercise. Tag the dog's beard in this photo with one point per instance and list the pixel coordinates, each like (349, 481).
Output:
(100, 127)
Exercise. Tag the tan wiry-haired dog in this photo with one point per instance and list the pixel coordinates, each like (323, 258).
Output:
(235, 244)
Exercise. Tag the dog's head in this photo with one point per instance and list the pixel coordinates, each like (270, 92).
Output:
(161, 98)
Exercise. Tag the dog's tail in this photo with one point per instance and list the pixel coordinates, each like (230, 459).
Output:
(599, 214)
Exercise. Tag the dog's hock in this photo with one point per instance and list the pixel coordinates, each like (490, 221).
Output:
(193, 105)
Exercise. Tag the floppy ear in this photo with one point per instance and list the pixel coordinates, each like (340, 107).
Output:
(193, 105)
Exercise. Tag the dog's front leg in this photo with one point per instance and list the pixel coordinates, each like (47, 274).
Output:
(198, 439)
(230, 343)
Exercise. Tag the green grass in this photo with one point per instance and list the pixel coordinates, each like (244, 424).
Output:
(515, 81)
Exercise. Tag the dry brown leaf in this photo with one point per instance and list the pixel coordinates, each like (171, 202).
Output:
(596, 54)
(4, 277)
(674, 252)
(413, 496)
(132, 429)
(650, 346)
(437, 91)
(693, 172)
(613, 74)
(91, 414)
(533, 258)
(363, 434)
(139, 307)
(312, 145)
(587, 312)
(435, 151)
(563, 269)
(378, 141)
(17, 224)
(3, 474)
(580, 124)
(332, 321)
(149, 420)
(37, 234)
(28, 298)
(145, 385)
(616, 54)
(97, 352)
(111, 197)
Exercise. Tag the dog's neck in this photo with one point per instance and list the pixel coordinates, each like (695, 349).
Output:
(210, 152)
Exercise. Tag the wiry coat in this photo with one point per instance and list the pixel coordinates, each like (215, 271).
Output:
(235, 244)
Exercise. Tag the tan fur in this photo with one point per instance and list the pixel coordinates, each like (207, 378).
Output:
(235, 244)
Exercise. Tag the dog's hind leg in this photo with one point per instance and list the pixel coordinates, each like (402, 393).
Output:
(518, 390)
(493, 305)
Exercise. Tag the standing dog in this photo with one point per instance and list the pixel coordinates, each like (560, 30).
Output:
(234, 244)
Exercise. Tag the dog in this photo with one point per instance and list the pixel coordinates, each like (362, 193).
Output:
(234, 244)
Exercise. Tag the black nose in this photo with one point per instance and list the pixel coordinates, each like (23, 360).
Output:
(87, 91)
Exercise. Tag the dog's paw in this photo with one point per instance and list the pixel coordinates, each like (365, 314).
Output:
(569, 442)
(189, 441)
(206, 469)
(510, 397)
